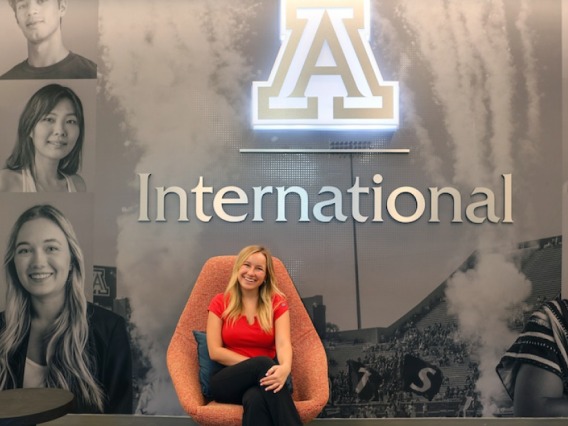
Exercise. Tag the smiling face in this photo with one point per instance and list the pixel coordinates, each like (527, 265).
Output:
(42, 259)
(39, 20)
(56, 133)
(252, 272)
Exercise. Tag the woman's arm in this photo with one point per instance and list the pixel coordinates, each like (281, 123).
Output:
(215, 343)
(276, 376)
(539, 393)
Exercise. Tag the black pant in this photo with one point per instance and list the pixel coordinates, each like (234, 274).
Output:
(240, 384)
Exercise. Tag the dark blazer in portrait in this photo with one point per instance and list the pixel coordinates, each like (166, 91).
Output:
(109, 344)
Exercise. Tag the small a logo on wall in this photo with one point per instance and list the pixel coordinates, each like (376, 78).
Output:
(325, 75)
(104, 285)
(100, 287)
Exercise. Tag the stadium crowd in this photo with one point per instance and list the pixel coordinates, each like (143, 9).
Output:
(438, 346)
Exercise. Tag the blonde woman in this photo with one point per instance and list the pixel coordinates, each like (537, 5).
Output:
(49, 335)
(248, 329)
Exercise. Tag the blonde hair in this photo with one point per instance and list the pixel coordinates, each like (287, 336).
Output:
(234, 296)
(69, 364)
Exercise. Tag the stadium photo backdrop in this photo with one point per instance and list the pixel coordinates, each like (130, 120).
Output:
(404, 159)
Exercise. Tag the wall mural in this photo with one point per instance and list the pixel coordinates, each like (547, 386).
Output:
(402, 158)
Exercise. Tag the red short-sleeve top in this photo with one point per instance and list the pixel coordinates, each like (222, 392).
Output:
(243, 338)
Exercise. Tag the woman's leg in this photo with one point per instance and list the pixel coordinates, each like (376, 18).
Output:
(230, 384)
(256, 412)
(263, 407)
(239, 384)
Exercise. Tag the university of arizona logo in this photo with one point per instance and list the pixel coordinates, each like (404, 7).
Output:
(325, 75)
(100, 287)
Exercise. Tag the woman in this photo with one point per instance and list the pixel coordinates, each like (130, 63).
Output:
(47, 154)
(247, 327)
(534, 370)
(49, 335)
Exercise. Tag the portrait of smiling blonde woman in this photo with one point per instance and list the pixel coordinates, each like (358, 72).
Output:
(50, 336)
(248, 332)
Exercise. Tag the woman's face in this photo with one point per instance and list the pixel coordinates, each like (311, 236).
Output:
(56, 133)
(252, 272)
(42, 258)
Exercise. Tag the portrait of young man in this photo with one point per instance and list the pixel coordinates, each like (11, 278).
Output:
(43, 23)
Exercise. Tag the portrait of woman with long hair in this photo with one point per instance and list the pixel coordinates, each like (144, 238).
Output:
(50, 336)
(49, 144)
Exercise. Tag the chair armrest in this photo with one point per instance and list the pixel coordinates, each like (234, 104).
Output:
(184, 370)
(309, 370)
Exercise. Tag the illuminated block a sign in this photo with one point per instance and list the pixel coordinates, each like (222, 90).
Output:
(325, 75)
(104, 285)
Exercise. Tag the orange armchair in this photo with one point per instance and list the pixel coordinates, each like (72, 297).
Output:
(309, 366)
